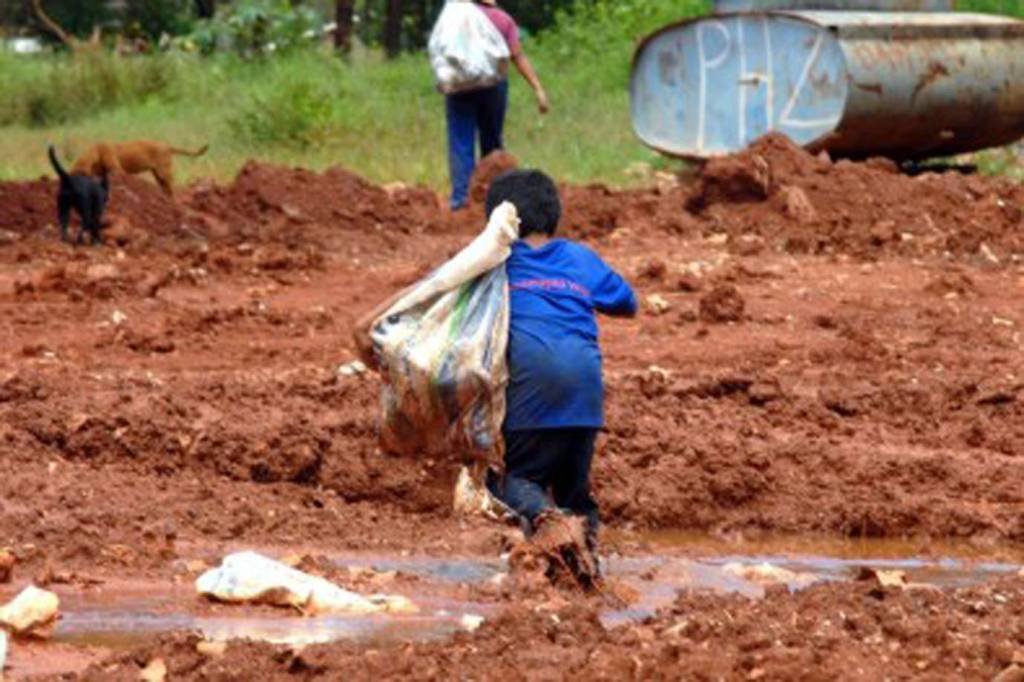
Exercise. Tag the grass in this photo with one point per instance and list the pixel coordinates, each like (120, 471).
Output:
(1012, 8)
(380, 118)
(383, 119)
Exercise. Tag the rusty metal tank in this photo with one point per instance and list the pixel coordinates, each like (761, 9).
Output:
(908, 85)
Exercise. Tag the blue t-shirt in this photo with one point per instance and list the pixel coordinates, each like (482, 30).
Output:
(553, 357)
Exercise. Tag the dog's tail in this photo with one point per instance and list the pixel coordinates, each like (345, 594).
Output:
(187, 152)
(55, 162)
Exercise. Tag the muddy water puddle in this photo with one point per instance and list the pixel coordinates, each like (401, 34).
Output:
(122, 616)
(685, 560)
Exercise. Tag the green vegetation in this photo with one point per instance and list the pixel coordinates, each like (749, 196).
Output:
(308, 107)
(379, 117)
(1013, 8)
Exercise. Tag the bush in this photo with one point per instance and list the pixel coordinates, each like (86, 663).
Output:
(295, 108)
(257, 27)
(602, 27)
(1007, 7)
(59, 89)
(154, 19)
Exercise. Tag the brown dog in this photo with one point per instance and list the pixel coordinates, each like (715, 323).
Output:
(133, 157)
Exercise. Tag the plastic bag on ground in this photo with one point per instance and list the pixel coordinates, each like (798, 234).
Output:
(441, 349)
(470, 498)
(467, 51)
(252, 577)
(33, 612)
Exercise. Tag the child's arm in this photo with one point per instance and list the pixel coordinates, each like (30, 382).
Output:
(609, 291)
(613, 296)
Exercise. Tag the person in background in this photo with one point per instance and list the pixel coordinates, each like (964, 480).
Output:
(483, 111)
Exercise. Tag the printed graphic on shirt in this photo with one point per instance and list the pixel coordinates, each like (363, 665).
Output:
(550, 284)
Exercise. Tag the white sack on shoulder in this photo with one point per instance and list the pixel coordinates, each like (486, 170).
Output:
(252, 577)
(467, 51)
(487, 251)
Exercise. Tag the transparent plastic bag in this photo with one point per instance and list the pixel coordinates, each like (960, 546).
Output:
(442, 349)
(467, 51)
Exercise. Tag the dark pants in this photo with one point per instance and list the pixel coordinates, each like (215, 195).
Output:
(558, 460)
(467, 113)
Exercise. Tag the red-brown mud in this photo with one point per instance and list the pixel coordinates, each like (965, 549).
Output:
(801, 203)
(850, 631)
(862, 376)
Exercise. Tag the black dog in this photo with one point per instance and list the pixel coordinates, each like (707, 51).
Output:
(86, 195)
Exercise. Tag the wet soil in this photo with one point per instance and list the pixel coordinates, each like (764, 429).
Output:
(836, 350)
(831, 630)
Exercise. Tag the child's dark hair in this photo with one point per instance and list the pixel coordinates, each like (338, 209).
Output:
(535, 197)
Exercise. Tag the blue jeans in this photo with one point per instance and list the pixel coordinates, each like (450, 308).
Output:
(467, 113)
(537, 460)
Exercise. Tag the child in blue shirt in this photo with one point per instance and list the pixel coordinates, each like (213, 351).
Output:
(555, 392)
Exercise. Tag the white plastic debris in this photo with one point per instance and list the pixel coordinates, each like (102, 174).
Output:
(156, 671)
(3, 651)
(470, 498)
(658, 304)
(767, 574)
(352, 368)
(252, 577)
(32, 612)
(470, 622)
(988, 254)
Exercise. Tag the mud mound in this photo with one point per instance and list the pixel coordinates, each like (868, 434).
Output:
(489, 168)
(265, 194)
(144, 206)
(28, 207)
(135, 204)
(78, 280)
(807, 203)
(593, 211)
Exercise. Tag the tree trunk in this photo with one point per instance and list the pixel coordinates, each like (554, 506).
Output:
(393, 28)
(205, 9)
(343, 11)
(421, 21)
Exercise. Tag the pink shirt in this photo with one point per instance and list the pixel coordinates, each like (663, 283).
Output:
(506, 25)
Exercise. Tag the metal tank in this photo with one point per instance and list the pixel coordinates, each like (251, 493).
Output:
(908, 85)
(722, 6)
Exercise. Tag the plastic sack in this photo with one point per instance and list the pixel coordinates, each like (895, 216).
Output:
(252, 577)
(441, 350)
(33, 612)
(467, 51)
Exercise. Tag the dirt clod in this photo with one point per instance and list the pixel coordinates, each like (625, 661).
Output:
(489, 168)
(7, 561)
(722, 304)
